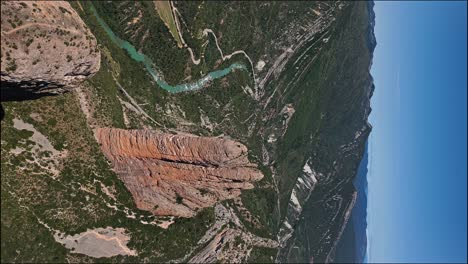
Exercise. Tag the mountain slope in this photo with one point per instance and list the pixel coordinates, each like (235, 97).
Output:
(287, 83)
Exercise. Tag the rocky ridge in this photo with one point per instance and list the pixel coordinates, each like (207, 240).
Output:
(177, 174)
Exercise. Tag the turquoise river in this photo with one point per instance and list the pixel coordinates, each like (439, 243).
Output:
(148, 63)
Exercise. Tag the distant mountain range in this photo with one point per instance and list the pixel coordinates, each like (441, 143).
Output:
(353, 244)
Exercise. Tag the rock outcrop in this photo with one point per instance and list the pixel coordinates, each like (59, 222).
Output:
(177, 174)
(45, 46)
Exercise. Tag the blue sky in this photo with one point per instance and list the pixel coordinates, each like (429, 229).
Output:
(418, 146)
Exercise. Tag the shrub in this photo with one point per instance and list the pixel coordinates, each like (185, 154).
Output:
(11, 66)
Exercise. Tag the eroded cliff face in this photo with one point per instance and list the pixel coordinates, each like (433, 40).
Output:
(177, 174)
(46, 47)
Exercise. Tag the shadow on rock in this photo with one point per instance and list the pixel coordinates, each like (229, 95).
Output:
(2, 112)
(21, 92)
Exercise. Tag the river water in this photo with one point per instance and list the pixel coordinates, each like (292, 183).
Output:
(149, 65)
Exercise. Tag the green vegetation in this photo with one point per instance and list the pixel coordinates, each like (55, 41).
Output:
(262, 255)
(11, 66)
(157, 43)
(326, 94)
(29, 42)
(225, 92)
(165, 12)
(103, 94)
(326, 119)
(37, 194)
(260, 203)
(179, 199)
(64, 10)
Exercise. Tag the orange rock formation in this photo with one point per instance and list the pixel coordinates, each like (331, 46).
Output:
(177, 174)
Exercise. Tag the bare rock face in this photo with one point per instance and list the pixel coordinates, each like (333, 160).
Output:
(45, 46)
(177, 174)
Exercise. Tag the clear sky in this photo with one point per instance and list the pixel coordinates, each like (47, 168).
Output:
(417, 209)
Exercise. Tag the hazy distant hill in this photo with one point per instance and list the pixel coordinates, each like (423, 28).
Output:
(353, 244)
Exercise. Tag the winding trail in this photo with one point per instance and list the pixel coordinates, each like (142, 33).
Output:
(179, 31)
(227, 57)
(135, 104)
(38, 24)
